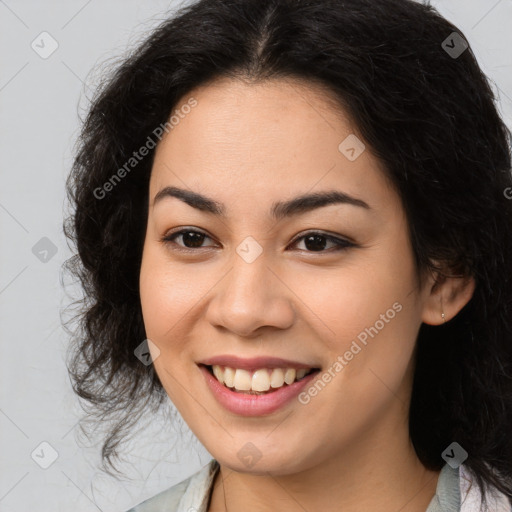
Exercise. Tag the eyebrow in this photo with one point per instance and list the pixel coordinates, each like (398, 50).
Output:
(279, 210)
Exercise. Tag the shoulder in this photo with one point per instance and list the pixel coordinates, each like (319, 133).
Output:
(191, 493)
(470, 495)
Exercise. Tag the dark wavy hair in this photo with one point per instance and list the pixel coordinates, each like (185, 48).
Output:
(428, 115)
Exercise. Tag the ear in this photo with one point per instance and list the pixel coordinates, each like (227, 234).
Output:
(445, 294)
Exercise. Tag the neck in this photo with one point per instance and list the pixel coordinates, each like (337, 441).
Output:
(378, 472)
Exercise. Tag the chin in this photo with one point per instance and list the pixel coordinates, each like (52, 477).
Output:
(275, 464)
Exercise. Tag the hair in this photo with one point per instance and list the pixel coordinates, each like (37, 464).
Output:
(429, 117)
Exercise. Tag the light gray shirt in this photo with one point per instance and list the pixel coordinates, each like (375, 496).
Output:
(192, 494)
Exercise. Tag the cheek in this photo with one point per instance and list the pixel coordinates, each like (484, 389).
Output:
(369, 314)
(165, 298)
(349, 300)
(166, 292)
(168, 296)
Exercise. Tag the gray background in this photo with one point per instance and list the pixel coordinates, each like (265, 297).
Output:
(40, 100)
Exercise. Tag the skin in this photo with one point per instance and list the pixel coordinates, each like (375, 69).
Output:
(248, 145)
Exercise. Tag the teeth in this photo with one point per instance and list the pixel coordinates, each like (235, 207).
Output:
(260, 381)
(301, 373)
(219, 374)
(242, 380)
(289, 375)
(229, 376)
(277, 378)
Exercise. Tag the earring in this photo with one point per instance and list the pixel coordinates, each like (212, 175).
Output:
(442, 312)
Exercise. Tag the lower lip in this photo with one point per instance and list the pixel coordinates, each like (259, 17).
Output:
(254, 405)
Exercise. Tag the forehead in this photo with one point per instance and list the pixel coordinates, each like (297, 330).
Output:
(262, 139)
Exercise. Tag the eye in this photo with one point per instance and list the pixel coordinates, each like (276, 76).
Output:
(191, 239)
(314, 241)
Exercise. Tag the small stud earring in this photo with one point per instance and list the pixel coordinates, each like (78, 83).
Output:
(442, 313)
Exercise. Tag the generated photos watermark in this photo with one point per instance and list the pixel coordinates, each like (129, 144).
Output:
(343, 360)
(144, 150)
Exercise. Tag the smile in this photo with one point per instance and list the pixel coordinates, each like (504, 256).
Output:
(260, 381)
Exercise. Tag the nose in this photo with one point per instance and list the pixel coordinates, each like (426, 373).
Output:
(251, 296)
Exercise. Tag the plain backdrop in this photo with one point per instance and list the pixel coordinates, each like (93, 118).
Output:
(40, 100)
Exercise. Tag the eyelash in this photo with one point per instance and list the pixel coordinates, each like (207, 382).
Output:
(341, 243)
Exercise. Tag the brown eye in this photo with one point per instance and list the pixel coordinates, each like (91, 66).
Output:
(190, 239)
(317, 242)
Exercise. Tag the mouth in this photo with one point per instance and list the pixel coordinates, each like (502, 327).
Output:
(261, 381)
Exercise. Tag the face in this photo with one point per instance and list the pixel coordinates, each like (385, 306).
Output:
(326, 284)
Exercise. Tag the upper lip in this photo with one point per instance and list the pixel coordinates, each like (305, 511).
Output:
(253, 363)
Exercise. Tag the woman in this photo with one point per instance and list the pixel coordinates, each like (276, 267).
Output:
(292, 219)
